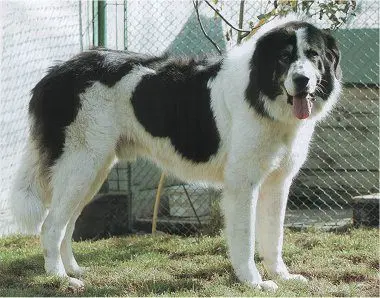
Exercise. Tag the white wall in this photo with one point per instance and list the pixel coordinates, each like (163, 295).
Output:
(34, 34)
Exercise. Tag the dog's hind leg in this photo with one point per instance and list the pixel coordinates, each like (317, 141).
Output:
(69, 262)
(72, 176)
(68, 259)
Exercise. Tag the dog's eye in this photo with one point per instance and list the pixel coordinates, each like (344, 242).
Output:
(311, 54)
(284, 57)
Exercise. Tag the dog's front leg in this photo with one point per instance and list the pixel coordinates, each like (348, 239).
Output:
(239, 206)
(271, 208)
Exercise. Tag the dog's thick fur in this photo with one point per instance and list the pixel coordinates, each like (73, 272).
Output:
(243, 121)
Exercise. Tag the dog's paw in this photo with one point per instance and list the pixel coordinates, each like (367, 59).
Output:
(267, 285)
(75, 284)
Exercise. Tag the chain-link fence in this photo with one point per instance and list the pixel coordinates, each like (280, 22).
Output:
(343, 161)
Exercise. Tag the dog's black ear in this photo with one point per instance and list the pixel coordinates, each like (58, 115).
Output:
(333, 53)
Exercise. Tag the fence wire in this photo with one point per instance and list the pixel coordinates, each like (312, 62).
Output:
(344, 157)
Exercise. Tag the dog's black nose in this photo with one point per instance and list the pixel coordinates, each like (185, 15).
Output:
(300, 82)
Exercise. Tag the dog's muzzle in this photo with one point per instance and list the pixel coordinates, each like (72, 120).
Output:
(302, 100)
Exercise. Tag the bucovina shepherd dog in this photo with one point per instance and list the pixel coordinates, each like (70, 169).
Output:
(243, 121)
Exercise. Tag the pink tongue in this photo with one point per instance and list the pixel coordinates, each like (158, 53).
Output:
(302, 107)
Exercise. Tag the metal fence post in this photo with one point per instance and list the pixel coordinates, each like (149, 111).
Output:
(125, 25)
(99, 24)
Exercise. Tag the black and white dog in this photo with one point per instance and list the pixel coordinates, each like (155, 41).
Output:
(244, 121)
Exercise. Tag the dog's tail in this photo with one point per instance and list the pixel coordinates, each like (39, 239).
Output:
(30, 192)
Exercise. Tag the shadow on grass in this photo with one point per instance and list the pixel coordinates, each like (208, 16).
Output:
(150, 287)
(128, 248)
(119, 251)
(24, 275)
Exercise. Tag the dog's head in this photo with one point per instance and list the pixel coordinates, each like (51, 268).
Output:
(295, 72)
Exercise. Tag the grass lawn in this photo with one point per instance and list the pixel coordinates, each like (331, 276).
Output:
(337, 264)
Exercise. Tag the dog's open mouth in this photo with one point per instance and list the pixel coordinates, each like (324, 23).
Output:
(302, 104)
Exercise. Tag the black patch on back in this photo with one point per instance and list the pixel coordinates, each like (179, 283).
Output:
(55, 99)
(175, 103)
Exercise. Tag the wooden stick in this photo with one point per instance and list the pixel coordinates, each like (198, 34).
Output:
(157, 203)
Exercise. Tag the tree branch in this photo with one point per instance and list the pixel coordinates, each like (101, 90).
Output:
(225, 20)
(243, 33)
(196, 7)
